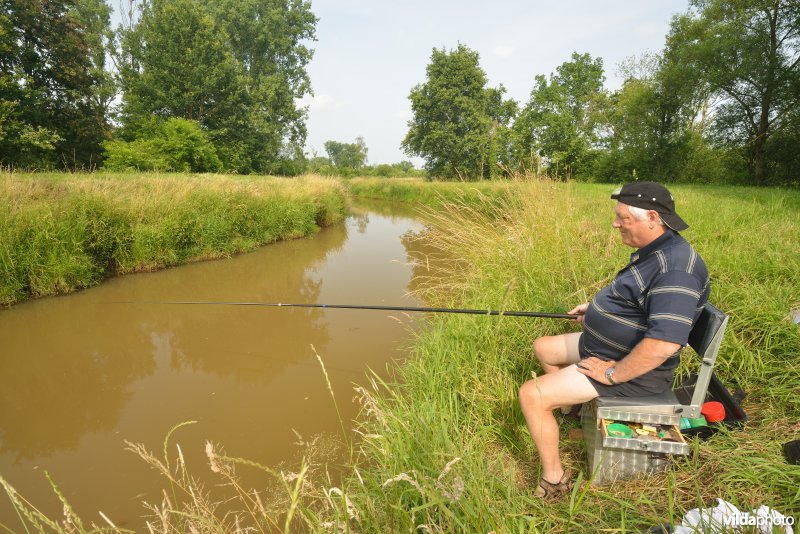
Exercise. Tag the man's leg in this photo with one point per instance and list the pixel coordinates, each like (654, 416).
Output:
(538, 398)
(557, 352)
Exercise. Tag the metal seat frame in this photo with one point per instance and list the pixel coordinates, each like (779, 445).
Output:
(614, 458)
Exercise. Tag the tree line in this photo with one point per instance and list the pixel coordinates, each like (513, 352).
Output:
(719, 104)
(350, 159)
(186, 85)
(179, 85)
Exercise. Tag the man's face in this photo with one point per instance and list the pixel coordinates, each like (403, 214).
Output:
(634, 233)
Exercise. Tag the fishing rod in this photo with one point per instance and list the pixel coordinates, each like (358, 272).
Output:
(386, 308)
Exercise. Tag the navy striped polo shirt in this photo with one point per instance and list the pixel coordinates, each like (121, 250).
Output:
(659, 295)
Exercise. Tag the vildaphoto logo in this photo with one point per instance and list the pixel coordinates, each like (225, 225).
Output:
(743, 519)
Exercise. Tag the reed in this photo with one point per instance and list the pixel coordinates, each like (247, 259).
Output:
(61, 232)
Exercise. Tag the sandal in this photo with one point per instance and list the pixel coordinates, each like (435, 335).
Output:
(550, 490)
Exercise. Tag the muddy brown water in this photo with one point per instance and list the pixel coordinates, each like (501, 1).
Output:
(82, 373)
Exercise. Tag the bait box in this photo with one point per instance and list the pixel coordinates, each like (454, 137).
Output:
(612, 458)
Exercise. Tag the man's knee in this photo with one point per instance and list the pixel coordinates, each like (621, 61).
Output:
(557, 350)
(540, 346)
(530, 395)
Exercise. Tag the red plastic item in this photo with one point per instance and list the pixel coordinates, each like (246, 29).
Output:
(713, 411)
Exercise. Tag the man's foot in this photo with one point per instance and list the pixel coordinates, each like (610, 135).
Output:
(550, 490)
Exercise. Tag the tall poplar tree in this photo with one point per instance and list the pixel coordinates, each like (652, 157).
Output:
(268, 40)
(456, 117)
(95, 17)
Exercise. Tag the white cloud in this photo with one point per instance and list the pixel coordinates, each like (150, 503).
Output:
(503, 51)
(319, 102)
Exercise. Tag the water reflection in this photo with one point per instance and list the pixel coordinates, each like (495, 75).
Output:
(72, 359)
(84, 372)
(55, 369)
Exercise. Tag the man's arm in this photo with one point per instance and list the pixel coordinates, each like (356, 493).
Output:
(648, 354)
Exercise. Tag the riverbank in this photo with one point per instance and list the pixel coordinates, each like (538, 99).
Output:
(61, 232)
(447, 446)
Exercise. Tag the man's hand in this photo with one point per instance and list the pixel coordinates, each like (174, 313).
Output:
(595, 368)
(648, 354)
(580, 311)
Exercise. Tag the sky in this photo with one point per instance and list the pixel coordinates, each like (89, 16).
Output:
(369, 54)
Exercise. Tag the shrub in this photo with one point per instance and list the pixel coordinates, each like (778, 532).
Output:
(186, 147)
(138, 155)
(177, 144)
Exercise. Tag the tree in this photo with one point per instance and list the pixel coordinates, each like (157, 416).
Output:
(177, 63)
(47, 115)
(657, 123)
(501, 113)
(266, 38)
(236, 67)
(456, 117)
(560, 124)
(748, 52)
(347, 156)
(95, 17)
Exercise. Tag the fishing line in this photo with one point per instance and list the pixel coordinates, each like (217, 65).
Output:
(363, 307)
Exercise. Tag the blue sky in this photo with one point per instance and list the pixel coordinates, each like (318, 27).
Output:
(370, 54)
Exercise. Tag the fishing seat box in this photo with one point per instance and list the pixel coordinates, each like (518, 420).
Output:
(612, 458)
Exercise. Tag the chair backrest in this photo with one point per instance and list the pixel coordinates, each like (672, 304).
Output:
(706, 338)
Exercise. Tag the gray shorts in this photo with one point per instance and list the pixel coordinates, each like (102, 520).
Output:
(651, 383)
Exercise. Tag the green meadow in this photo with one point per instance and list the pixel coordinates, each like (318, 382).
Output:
(442, 446)
(60, 232)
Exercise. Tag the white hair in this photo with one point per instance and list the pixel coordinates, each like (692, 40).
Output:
(640, 214)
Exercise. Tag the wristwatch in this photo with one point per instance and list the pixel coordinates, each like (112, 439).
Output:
(610, 375)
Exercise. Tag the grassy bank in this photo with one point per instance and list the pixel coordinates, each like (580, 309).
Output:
(60, 232)
(488, 197)
(447, 446)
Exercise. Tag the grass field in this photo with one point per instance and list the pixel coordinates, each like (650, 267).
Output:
(443, 447)
(61, 232)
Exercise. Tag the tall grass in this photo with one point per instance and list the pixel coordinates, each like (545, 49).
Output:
(485, 196)
(62, 232)
(552, 248)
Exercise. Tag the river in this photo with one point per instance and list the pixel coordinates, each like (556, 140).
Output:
(84, 372)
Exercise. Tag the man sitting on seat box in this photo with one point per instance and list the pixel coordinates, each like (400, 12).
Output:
(633, 329)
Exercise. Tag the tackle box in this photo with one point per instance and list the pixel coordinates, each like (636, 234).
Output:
(613, 458)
